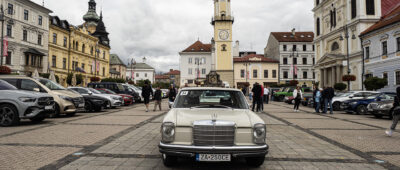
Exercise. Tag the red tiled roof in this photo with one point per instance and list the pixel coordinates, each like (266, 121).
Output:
(298, 37)
(389, 5)
(161, 77)
(391, 18)
(173, 72)
(198, 46)
(255, 58)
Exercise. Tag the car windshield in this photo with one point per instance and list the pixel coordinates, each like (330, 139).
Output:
(120, 87)
(211, 99)
(372, 96)
(94, 91)
(345, 94)
(6, 86)
(106, 91)
(51, 85)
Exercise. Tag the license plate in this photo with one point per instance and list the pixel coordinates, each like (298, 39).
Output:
(81, 105)
(48, 107)
(213, 157)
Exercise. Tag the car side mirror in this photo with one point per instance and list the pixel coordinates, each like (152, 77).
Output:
(90, 93)
(351, 96)
(36, 89)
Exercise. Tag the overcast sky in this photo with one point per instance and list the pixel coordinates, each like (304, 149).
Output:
(160, 29)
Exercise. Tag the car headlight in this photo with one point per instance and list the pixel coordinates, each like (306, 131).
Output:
(65, 98)
(97, 100)
(126, 97)
(386, 106)
(168, 132)
(259, 133)
(353, 103)
(27, 99)
(115, 98)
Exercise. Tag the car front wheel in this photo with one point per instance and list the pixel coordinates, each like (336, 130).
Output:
(361, 109)
(88, 106)
(8, 115)
(336, 106)
(169, 160)
(255, 161)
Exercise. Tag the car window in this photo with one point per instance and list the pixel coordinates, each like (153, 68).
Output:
(12, 82)
(51, 85)
(211, 99)
(359, 94)
(120, 87)
(94, 91)
(388, 96)
(29, 85)
(81, 91)
(6, 86)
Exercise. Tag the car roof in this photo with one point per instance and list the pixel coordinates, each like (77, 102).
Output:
(210, 88)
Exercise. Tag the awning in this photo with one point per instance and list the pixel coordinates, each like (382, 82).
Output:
(34, 52)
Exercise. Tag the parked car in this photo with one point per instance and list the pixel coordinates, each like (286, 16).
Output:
(306, 97)
(66, 102)
(114, 100)
(289, 100)
(135, 92)
(115, 87)
(209, 128)
(109, 101)
(92, 103)
(339, 99)
(381, 108)
(359, 106)
(20, 104)
(286, 92)
(107, 91)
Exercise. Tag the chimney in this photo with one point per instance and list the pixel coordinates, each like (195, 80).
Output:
(294, 31)
(170, 70)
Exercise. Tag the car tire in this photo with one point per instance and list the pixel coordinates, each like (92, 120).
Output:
(88, 106)
(281, 98)
(168, 160)
(378, 116)
(56, 112)
(336, 106)
(37, 119)
(97, 109)
(71, 114)
(362, 109)
(8, 115)
(255, 161)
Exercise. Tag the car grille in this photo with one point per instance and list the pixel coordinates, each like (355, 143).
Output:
(45, 101)
(77, 101)
(373, 105)
(212, 134)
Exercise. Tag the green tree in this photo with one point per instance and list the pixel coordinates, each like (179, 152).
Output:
(340, 86)
(375, 83)
(114, 80)
(79, 78)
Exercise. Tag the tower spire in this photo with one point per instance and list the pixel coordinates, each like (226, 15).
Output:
(91, 16)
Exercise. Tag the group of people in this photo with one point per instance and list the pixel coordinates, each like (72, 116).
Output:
(259, 95)
(147, 91)
(323, 96)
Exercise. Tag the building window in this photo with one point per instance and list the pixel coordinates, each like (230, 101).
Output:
(190, 81)
(54, 38)
(10, 9)
(26, 14)
(317, 2)
(190, 60)
(8, 58)
(9, 30)
(137, 74)
(54, 61)
(294, 60)
(91, 51)
(65, 41)
(265, 73)
(83, 67)
(370, 5)
(333, 18)
(223, 47)
(203, 71)
(313, 47)
(255, 74)
(313, 61)
(83, 48)
(242, 73)
(304, 47)
(384, 48)
(304, 61)
(397, 77)
(196, 61)
(305, 76)
(285, 61)
(385, 76)
(318, 27)
(285, 75)
(104, 71)
(273, 73)
(190, 71)
(64, 63)
(398, 43)
(39, 41)
(25, 35)
(335, 46)
(353, 9)
(40, 20)
(104, 55)
(294, 47)
(313, 75)
(76, 46)
(367, 53)
(203, 61)
(284, 48)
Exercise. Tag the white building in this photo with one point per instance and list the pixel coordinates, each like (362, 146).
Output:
(26, 26)
(293, 50)
(140, 71)
(381, 44)
(195, 63)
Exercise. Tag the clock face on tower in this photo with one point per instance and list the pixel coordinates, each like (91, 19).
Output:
(223, 35)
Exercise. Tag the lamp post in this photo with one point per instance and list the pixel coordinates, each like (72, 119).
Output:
(97, 51)
(198, 71)
(2, 34)
(346, 35)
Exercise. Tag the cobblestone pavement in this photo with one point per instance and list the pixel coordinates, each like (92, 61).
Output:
(127, 138)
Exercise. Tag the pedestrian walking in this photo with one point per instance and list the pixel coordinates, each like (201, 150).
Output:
(172, 93)
(262, 98)
(157, 98)
(272, 95)
(395, 111)
(146, 92)
(266, 95)
(317, 100)
(298, 95)
(251, 94)
(314, 95)
(244, 90)
(256, 96)
(328, 94)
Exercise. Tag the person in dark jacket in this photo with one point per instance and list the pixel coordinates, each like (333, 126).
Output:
(172, 93)
(395, 110)
(146, 92)
(157, 98)
(328, 94)
(256, 96)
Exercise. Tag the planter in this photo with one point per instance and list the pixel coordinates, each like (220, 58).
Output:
(294, 83)
(95, 79)
(349, 78)
(5, 70)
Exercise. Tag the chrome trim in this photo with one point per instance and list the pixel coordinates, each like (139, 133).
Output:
(236, 148)
(213, 123)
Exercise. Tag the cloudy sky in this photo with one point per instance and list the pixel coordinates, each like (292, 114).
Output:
(160, 29)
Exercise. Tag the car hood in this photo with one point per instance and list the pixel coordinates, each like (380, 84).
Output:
(23, 93)
(65, 93)
(242, 118)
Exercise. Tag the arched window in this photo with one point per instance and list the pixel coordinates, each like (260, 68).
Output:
(318, 27)
(335, 46)
(83, 48)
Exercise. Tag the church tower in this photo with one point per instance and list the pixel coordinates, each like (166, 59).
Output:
(223, 55)
(91, 18)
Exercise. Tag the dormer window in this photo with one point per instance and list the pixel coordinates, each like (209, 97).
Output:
(192, 49)
(302, 36)
(284, 36)
(202, 49)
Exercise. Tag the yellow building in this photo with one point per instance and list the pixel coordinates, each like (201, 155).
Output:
(81, 50)
(222, 54)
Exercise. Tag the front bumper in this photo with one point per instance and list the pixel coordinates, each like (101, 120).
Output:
(37, 111)
(235, 151)
(116, 103)
(379, 112)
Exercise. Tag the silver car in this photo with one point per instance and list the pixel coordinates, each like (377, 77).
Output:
(113, 100)
(19, 104)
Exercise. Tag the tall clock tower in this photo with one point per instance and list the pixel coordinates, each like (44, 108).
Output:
(222, 51)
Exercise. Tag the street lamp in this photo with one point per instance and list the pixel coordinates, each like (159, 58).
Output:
(346, 32)
(97, 51)
(199, 62)
(2, 33)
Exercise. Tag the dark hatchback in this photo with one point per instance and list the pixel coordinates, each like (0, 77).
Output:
(92, 103)
(359, 106)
